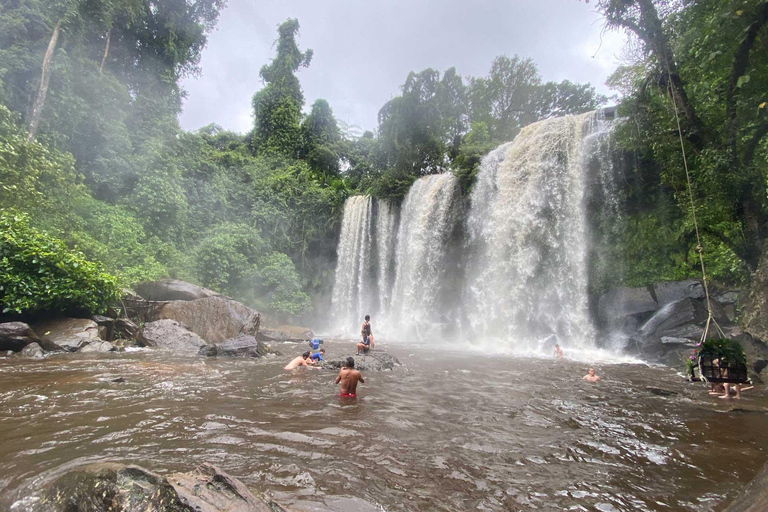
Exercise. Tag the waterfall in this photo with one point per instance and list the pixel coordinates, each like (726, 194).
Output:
(527, 271)
(427, 220)
(352, 289)
(385, 234)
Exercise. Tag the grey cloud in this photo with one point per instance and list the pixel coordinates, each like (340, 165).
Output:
(364, 49)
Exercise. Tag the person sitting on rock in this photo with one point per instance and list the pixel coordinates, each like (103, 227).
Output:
(349, 377)
(590, 376)
(367, 342)
(302, 360)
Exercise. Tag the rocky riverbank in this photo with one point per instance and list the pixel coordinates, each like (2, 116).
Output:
(167, 315)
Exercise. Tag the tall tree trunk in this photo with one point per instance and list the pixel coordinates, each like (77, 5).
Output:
(42, 92)
(106, 51)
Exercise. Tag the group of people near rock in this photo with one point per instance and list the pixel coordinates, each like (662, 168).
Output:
(348, 377)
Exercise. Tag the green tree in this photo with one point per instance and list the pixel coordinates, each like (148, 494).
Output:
(277, 106)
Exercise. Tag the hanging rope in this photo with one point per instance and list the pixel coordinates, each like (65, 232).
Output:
(699, 250)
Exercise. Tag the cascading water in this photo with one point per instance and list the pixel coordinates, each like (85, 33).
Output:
(428, 218)
(528, 271)
(386, 233)
(516, 268)
(352, 289)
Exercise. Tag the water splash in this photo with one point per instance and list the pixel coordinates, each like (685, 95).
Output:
(352, 288)
(527, 274)
(429, 216)
(385, 235)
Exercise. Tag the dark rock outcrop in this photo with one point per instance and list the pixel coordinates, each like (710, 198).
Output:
(241, 346)
(214, 319)
(673, 291)
(173, 289)
(619, 303)
(372, 361)
(16, 335)
(108, 324)
(67, 334)
(756, 312)
(111, 487)
(126, 329)
(285, 333)
(753, 497)
(171, 335)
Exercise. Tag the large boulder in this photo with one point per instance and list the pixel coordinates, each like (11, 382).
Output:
(171, 335)
(672, 316)
(15, 336)
(173, 289)
(241, 346)
(618, 303)
(285, 333)
(112, 487)
(215, 319)
(754, 496)
(68, 334)
(673, 291)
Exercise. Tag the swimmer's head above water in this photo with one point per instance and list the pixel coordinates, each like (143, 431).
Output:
(350, 362)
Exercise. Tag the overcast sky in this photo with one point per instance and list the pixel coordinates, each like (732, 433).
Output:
(364, 49)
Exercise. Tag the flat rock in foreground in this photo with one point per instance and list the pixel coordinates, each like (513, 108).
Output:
(112, 487)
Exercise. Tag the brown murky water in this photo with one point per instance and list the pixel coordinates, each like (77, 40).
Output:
(448, 431)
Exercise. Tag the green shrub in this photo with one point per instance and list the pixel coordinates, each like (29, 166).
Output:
(39, 274)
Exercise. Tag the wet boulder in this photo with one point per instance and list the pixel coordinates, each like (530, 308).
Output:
(32, 351)
(285, 333)
(171, 335)
(68, 334)
(209, 489)
(372, 361)
(673, 291)
(15, 336)
(214, 319)
(126, 329)
(113, 487)
(108, 325)
(241, 346)
(173, 289)
(756, 312)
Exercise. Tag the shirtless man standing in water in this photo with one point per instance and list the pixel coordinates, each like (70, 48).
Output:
(349, 377)
(590, 376)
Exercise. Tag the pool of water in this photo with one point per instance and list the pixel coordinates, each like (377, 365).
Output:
(446, 431)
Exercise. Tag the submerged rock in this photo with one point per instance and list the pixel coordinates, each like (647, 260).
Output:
(98, 346)
(15, 336)
(173, 289)
(372, 361)
(241, 346)
(171, 335)
(214, 319)
(32, 351)
(111, 487)
(285, 333)
(68, 334)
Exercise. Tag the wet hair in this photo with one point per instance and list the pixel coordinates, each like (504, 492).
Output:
(367, 317)
(350, 362)
(322, 351)
(305, 355)
(557, 346)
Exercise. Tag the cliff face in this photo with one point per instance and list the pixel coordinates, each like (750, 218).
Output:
(756, 314)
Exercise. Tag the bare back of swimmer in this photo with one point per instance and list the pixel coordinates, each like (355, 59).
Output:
(348, 378)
